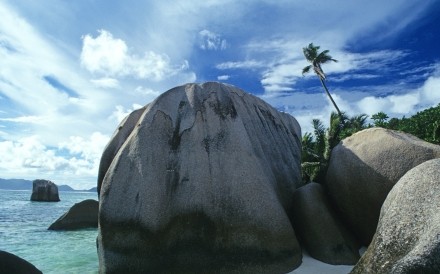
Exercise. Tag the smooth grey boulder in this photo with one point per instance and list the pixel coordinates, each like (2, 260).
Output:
(81, 215)
(44, 191)
(10, 263)
(363, 169)
(319, 230)
(202, 183)
(116, 141)
(407, 239)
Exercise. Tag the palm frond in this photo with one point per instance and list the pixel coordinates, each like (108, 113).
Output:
(306, 69)
(323, 57)
(311, 52)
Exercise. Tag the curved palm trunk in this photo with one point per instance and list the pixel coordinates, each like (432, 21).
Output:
(329, 96)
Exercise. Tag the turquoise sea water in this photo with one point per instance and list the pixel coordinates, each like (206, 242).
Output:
(23, 232)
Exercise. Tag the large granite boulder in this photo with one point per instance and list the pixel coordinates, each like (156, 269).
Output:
(44, 191)
(407, 239)
(364, 167)
(319, 229)
(10, 263)
(81, 215)
(202, 183)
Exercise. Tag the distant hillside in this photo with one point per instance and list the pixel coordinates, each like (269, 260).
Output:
(15, 184)
(65, 188)
(93, 189)
(22, 184)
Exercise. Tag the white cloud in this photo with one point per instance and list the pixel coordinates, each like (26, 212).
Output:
(405, 103)
(147, 92)
(430, 91)
(371, 105)
(109, 56)
(104, 54)
(249, 64)
(209, 40)
(30, 158)
(223, 77)
(353, 76)
(23, 119)
(105, 82)
(279, 78)
(90, 148)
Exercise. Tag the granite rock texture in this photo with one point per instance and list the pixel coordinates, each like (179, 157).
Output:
(407, 240)
(200, 181)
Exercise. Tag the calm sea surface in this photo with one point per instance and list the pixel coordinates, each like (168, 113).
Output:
(23, 232)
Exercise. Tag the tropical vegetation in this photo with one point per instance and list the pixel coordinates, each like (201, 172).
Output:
(317, 146)
(424, 124)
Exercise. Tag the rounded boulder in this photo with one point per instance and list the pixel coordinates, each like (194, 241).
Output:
(407, 239)
(364, 168)
(202, 183)
(319, 230)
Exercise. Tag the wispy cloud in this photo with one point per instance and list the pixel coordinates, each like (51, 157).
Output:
(248, 64)
(223, 77)
(209, 40)
(399, 100)
(105, 82)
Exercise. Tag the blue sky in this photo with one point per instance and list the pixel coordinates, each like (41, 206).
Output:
(71, 70)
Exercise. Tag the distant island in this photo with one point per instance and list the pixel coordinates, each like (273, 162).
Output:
(22, 184)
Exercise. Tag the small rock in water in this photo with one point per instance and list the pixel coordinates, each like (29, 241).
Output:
(81, 215)
(44, 191)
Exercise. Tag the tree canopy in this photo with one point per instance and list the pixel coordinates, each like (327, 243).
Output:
(424, 124)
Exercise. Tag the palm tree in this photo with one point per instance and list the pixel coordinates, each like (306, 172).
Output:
(316, 59)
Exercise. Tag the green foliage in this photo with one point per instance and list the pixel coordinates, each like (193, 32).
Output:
(317, 147)
(424, 124)
(379, 119)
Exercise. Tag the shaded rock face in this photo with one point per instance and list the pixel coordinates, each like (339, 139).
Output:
(319, 230)
(44, 191)
(407, 239)
(10, 263)
(363, 169)
(81, 215)
(201, 181)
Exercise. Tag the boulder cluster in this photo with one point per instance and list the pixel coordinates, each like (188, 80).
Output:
(386, 192)
(207, 179)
